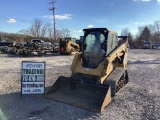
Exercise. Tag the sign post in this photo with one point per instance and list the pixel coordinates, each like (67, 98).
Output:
(33, 78)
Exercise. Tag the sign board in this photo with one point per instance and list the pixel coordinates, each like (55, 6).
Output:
(33, 77)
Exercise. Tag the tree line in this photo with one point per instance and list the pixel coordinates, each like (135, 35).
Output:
(150, 33)
(42, 30)
(37, 30)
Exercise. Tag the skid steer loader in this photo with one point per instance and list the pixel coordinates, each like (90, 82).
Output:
(68, 46)
(98, 72)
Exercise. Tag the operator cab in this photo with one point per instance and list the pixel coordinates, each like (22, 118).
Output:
(94, 46)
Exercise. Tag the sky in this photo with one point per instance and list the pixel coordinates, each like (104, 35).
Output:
(77, 15)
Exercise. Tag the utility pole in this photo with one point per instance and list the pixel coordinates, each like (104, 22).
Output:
(54, 23)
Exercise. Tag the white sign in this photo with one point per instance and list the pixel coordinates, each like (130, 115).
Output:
(33, 77)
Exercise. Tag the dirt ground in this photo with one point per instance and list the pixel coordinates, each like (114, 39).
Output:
(139, 99)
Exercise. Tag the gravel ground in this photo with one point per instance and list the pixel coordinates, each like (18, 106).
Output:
(139, 99)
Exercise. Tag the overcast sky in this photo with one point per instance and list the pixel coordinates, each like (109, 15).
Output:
(79, 14)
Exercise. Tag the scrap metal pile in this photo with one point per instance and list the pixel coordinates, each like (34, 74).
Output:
(35, 47)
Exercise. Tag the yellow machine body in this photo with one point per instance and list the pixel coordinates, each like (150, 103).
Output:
(69, 46)
(96, 76)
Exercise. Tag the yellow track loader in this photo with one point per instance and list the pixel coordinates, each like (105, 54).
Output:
(68, 46)
(98, 72)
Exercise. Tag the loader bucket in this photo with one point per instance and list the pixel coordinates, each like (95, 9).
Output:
(89, 97)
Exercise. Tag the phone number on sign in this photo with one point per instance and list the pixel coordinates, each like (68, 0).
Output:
(36, 90)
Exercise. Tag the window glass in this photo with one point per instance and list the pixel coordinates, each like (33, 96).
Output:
(93, 42)
(93, 51)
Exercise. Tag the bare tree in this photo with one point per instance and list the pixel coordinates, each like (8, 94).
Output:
(44, 30)
(39, 29)
(23, 31)
(152, 28)
(0, 35)
(125, 32)
(157, 25)
(58, 34)
(62, 33)
(49, 31)
(65, 32)
(36, 27)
